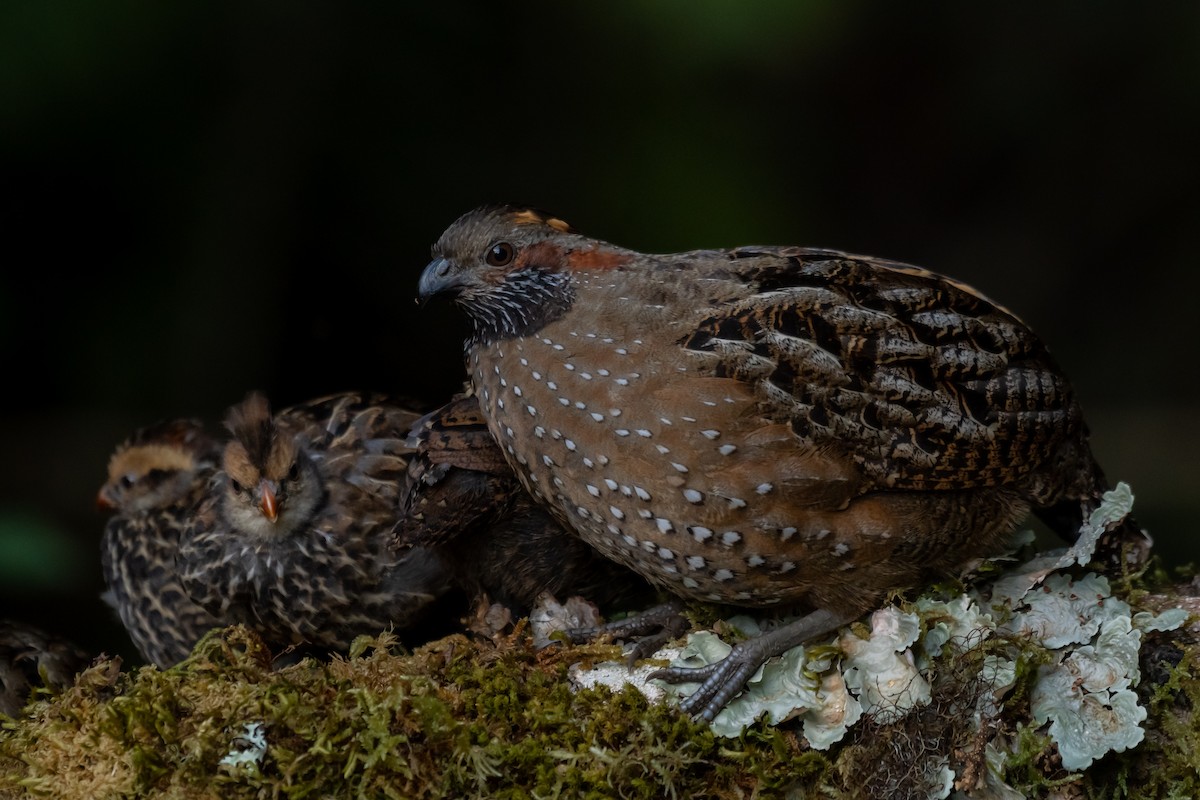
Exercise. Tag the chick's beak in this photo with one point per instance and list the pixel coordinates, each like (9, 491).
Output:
(438, 277)
(104, 502)
(269, 504)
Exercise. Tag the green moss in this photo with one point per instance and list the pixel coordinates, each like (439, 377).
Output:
(463, 717)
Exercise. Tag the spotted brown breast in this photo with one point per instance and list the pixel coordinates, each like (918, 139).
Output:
(761, 426)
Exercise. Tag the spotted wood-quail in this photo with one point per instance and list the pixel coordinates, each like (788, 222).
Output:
(31, 657)
(294, 540)
(156, 480)
(762, 426)
(464, 501)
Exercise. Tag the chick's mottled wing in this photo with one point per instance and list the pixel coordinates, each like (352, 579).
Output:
(923, 382)
(457, 476)
(359, 439)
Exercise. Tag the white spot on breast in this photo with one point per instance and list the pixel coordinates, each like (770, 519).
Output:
(664, 525)
(700, 533)
(564, 401)
(692, 496)
(611, 484)
(496, 369)
(723, 575)
(709, 403)
(645, 434)
(629, 540)
(508, 431)
(587, 376)
(602, 373)
(764, 488)
(616, 412)
(679, 467)
(711, 434)
(532, 411)
(517, 391)
(696, 562)
(551, 385)
(559, 482)
(664, 420)
(621, 351)
(621, 432)
(524, 362)
(731, 537)
(642, 493)
(603, 459)
(662, 449)
(593, 490)
(569, 444)
(587, 462)
(614, 530)
(621, 382)
(645, 513)
(537, 376)
(726, 449)
(688, 419)
(665, 553)
(547, 341)
(841, 548)
(821, 534)
(569, 366)
(786, 566)
(616, 512)
(755, 561)
(503, 382)
(500, 402)
(596, 415)
(580, 405)
(649, 546)
(737, 502)
(560, 347)
(539, 431)
(583, 512)
(548, 461)
(787, 533)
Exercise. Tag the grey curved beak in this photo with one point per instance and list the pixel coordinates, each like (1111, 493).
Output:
(437, 277)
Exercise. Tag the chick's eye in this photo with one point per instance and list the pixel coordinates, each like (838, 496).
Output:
(293, 472)
(500, 254)
(237, 487)
(127, 480)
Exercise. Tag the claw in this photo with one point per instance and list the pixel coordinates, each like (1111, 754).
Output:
(722, 680)
(657, 625)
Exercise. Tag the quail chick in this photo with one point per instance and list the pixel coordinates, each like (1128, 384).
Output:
(30, 657)
(465, 501)
(294, 540)
(156, 480)
(762, 426)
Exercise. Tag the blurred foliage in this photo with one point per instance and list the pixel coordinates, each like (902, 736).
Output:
(200, 199)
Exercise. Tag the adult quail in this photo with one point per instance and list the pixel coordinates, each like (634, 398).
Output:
(156, 480)
(762, 426)
(464, 501)
(294, 540)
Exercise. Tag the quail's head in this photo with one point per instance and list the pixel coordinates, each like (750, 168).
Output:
(272, 486)
(156, 467)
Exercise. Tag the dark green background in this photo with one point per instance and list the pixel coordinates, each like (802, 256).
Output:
(201, 199)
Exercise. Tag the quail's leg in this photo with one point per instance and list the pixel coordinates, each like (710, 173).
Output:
(725, 678)
(655, 627)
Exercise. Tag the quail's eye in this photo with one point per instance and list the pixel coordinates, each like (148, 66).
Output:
(127, 480)
(237, 487)
(293, 472)
(500, 254)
